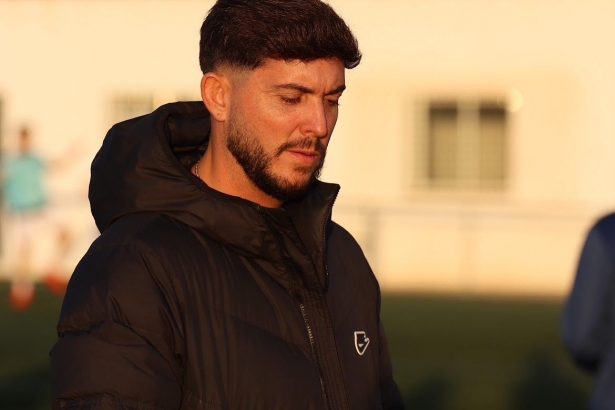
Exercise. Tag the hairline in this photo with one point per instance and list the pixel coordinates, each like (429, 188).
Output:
(238, 73)
(221, 66)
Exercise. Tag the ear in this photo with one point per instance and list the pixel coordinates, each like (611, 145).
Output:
(215, 90)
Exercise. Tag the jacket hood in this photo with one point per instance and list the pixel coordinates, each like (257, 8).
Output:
(144, 166)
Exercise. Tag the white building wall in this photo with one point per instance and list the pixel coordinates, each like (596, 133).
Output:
(63, 61)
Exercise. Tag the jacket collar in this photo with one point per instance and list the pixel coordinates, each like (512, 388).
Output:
(144, 166)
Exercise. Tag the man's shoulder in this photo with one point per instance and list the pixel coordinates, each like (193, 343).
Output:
(351, 276)
(151, 244)
(137, 239)
(338, 236)
(149, 231)
(122, 273)
(152, 241)
(342, 246)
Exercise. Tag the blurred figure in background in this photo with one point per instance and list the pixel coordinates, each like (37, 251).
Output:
(25, 197)
(587, 327)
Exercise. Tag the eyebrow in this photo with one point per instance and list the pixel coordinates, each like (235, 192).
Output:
(305, 90)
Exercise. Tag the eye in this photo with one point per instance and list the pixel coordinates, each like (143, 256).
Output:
(334, 103)
(289, 100)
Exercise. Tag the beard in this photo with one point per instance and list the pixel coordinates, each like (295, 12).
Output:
(257, 163)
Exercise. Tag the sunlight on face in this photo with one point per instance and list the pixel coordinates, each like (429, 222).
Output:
(281, 121)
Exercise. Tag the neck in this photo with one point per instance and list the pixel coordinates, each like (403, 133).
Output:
(220, 171)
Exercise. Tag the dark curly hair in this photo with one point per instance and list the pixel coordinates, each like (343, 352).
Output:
(243, 33)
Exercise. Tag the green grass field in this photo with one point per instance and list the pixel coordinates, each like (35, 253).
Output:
(448, 353)
(481, 353)
(25, 340)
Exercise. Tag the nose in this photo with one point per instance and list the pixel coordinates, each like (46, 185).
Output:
(316, 122)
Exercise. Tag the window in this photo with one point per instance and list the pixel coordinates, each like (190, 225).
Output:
(462, 144)
(130, 106)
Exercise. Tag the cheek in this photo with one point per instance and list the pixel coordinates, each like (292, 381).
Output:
(265, 124)
(278, 128)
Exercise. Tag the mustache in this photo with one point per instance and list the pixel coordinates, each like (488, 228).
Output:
(305, 143)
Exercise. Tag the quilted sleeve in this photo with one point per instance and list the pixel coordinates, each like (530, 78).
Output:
(119, 342)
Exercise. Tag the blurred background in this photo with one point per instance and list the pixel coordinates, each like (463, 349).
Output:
(474, 149)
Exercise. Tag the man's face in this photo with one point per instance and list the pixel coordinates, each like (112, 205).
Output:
(281, 118)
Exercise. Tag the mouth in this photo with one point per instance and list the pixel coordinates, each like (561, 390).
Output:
(306, 152)
(304, 155)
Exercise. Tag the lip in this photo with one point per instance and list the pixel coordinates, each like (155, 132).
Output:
(304, 155)
(306, 152)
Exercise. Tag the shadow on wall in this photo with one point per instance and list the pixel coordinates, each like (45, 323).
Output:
(544, 386)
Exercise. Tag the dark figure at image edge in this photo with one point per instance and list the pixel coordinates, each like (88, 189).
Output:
(219, 280)
(587, 327)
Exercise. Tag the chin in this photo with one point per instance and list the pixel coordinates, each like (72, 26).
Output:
(304, 182)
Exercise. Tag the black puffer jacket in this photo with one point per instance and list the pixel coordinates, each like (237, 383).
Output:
(194, 299)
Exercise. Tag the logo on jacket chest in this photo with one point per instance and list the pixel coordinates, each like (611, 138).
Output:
(361, 341)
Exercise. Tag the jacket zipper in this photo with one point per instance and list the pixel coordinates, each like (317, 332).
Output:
(304, 315)
(316, 361)
(324, 243)
(326, 287)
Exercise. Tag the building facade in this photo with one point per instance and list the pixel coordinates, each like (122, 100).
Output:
(474, 145)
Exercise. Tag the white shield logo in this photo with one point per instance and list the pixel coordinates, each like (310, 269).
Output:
(361, 341)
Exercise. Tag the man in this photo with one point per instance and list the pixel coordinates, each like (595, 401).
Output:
(219, 280)
(587, 320)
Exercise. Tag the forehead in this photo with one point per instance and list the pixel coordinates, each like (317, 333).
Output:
(319, 75)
